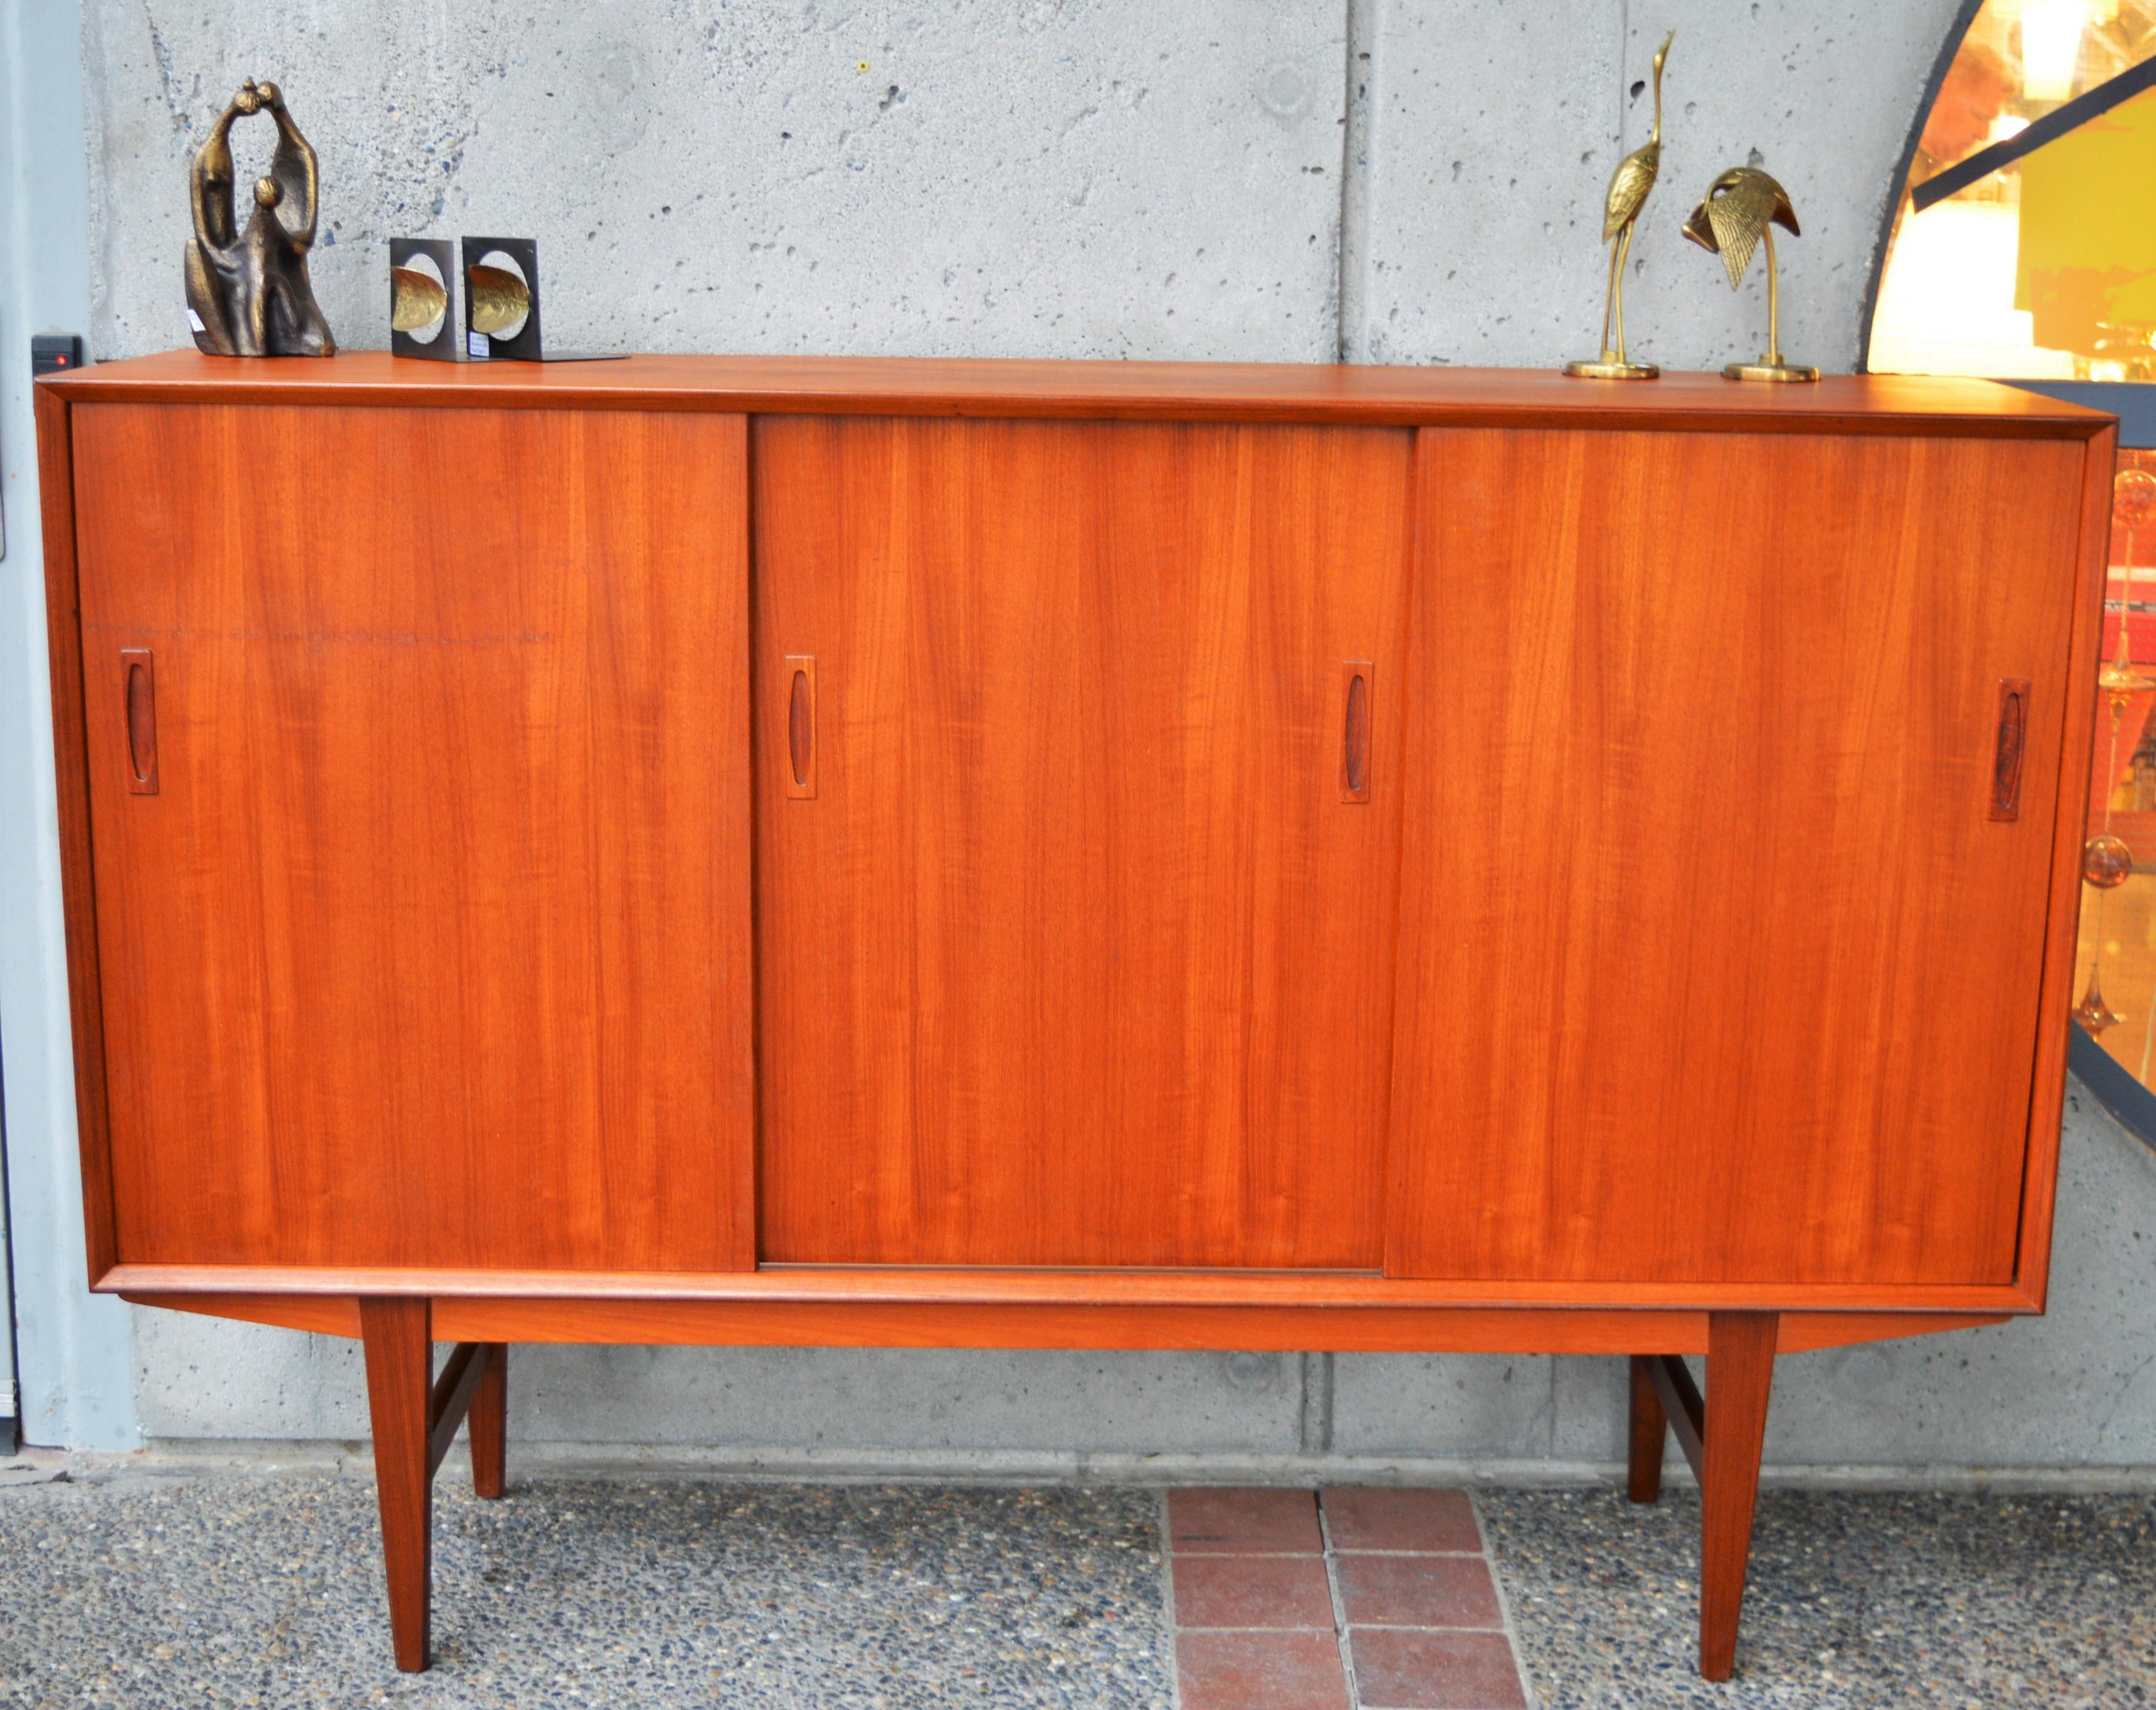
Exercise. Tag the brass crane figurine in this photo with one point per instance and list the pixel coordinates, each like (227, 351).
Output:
(1740, 207)
(1629, 185)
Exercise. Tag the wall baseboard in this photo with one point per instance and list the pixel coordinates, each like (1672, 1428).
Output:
(541, 1463)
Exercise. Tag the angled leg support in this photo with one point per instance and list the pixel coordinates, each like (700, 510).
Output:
(490, 1423)
(1722, 1437)
(1740, 1371)
(1650, 1430)
(400, 1356)
(415, 1416)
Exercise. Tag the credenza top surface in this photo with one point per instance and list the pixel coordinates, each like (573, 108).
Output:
(1342, 393)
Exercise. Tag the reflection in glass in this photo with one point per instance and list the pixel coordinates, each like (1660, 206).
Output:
(2023, 249)
(2118, 923)
(2044, 269)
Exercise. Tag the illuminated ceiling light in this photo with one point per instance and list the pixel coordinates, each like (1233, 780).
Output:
(2050, 47)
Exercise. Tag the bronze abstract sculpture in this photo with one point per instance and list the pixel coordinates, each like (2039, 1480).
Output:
(248, 294)
(1740, 207)
(1627, 195)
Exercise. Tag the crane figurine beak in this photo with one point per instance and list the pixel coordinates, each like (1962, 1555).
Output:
(1740, 209)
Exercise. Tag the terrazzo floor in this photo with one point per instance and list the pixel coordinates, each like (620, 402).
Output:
(1854, 1600)
(147, 1587)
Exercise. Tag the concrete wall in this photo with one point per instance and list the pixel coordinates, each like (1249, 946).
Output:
(75, 1386)
(1096, 178)
(1413, 181)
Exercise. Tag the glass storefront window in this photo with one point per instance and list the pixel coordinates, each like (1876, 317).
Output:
(2023, 248)
(2117, 964)
(2044, 269)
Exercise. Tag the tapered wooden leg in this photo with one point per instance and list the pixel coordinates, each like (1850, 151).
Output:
(1650, 1430)
(400, 1356)
(489, 1422)
(1740, 1371)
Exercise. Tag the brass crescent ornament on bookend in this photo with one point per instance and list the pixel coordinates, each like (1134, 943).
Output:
(417, 300)
(247, 291)
(501, 301)
(1740, 208)
(421, 270)
(502, 304)
(1621, 203)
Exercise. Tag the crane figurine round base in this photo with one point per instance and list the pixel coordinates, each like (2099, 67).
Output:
(1769, 367)
(1611, 366)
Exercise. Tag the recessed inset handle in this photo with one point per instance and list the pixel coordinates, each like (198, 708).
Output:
(2011, 738)
(801, 726)
(140, 692)
(1355, 730)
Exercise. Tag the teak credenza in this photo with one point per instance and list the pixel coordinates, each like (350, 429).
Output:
(1075, 855)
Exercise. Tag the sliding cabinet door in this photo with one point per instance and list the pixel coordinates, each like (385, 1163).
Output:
(1717, 963)
(418, 748)
(1077, 794)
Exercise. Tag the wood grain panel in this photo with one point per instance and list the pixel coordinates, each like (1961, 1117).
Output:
(2039, 1185)
(1345, 394)
(1076, 957)
(71, 769)
(1186, 1329)
(432, 947)
(799, 1323)
(324, 1314)
(843, 1285)
(1714, 967)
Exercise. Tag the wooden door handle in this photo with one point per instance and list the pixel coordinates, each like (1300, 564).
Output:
(139, 700)
(1355, 730)
(2010, 737)
(801, 727)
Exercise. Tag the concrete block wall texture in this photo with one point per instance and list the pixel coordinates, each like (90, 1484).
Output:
(1404, 180)
(1096, 178)
(1120, 178)
(1492, 130)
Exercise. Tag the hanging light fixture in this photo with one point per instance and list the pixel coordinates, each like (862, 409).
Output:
(2092, 1012)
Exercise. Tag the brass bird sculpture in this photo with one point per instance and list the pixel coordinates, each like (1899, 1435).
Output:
(1740, 207)
(1629, 185)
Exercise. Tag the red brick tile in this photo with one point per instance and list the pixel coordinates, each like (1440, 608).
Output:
(1254, 1591)
(1244, 1522)
(1260, 1672)
(1418, 1591)
(1398, 1670)
(1401, 1519)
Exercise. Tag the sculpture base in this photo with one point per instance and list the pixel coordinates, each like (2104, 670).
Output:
(1782, 371)
(1607, 367)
